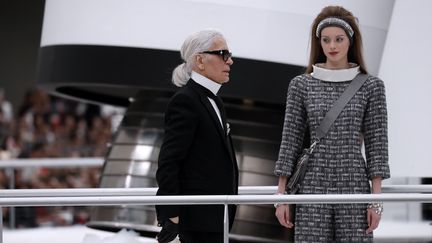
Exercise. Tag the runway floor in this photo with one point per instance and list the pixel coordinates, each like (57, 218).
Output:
(70, 234)
(387, 232)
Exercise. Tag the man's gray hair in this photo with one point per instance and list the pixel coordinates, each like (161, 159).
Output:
(194, 44)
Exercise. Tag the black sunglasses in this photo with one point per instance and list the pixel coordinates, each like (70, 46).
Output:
(225, 54)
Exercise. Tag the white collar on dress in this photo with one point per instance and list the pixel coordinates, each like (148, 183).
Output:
(206, 82)
(335, 75)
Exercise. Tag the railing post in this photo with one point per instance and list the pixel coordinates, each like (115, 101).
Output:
(1, 225)
(11, 209)
(226, 223)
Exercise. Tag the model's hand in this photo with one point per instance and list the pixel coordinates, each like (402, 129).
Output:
(169, 231)
(283, 215)
(373, 220)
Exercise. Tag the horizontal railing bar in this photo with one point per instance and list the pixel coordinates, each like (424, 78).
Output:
(407, 188)
(385, 189)
(83, 192)
(52, 162)
(213, 199)
(99, 161)
(151, 191)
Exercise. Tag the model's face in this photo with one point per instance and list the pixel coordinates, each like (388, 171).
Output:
(213, 65)
(335, 44)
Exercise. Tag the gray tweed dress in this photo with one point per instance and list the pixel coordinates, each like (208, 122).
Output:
(337, 165)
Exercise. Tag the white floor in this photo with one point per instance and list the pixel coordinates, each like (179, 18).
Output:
(412, 232)
(72, 234)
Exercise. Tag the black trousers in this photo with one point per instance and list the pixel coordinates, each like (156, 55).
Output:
(200, 237)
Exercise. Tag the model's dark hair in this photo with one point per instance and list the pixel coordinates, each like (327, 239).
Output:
(355, 52)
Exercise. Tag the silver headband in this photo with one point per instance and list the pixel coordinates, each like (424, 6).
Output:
(334, 21)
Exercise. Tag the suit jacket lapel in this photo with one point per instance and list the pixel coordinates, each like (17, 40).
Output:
(209, 107)
(213, 114)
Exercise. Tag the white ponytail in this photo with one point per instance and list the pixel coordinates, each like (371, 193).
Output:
(180, 75)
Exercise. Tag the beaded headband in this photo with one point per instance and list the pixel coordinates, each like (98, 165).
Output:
(331, 21)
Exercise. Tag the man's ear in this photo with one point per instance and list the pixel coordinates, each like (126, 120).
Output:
(200, 62)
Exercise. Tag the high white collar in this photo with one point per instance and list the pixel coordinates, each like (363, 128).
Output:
(335, 75)
(205, 82)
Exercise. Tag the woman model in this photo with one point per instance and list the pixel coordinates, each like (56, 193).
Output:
(337, 165)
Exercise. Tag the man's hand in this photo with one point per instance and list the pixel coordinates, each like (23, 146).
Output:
(168, 232)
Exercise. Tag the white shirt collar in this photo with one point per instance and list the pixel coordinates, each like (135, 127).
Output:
(335, 75)
(205, 82)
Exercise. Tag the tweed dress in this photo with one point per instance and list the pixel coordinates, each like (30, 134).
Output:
(337, 165)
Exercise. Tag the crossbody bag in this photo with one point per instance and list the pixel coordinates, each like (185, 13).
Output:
(296, 179)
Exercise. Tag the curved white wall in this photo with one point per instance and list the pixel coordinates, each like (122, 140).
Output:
(405, 70)
(396, 38)
(272, 30)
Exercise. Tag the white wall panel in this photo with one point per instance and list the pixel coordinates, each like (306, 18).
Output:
(405, 69)
(271, 30)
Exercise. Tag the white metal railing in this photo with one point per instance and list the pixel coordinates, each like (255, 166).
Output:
(146, 196)
(81, 197)
(11, 164)
(52, 162)
(151, 191)
(85, 199)
(99, 161)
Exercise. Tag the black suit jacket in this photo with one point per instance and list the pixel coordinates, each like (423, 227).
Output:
(195, 159)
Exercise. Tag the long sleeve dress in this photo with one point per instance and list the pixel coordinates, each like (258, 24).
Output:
(337, 165)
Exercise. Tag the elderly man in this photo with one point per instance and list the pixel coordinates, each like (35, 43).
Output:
(197, 156)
